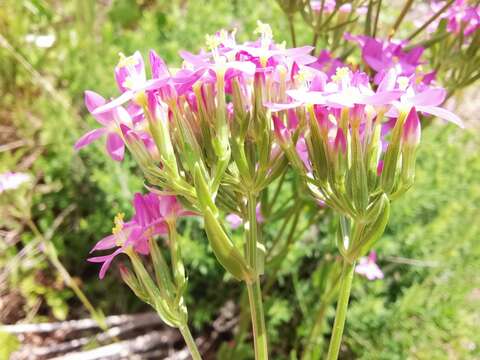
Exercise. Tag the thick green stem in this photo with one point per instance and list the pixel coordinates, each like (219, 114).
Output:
(342, 307)
(192, 346)
(252, 231)
(258, 321)
(254, 291)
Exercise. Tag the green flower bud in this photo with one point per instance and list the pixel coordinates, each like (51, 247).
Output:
(224, 249)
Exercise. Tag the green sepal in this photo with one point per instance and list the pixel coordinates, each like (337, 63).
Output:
(162, 271)
(162, 305)
(203, 192)
(135, 285)
(374, 231)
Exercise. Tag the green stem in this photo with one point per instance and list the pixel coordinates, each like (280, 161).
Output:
(254, 291)
(252, 231)
(292, 30)
(401, 16)
(258, 321)
(342, 307)
(313, 348)
(192, 346)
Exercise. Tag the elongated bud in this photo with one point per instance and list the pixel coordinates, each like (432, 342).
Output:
(374, 231)
(224, 249)
(391, 161)
(171, 316)
(411, 129)
(316, 148)
(411, 139)
(158, 124)
(358, 174)
(203, 192)
(137, 147)
(281, 131)
(162, 271)
(340, 155)
(374, 151)
(131, 280)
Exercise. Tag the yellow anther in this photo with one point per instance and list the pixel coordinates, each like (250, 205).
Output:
(129, 83)
(264, 30)
(403, 82)
(212, 41)
(341, 74)
(304, 76)
(118, 221)
(126, 61)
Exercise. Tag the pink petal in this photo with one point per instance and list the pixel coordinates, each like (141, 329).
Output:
(246, 67)
(234, 220)
(93, 100)
(442, 114)
(89, 137)
(115, 146)
(107, 242)
(106, 260)
(309, 97)
(429, 97)
(126, 96)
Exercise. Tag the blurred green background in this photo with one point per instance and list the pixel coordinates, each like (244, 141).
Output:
(426, 307)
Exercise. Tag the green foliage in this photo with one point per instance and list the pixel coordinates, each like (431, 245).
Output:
(8, 344)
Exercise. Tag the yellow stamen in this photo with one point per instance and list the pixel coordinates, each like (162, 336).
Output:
(341, 74)
(126, 61)
(118, 221)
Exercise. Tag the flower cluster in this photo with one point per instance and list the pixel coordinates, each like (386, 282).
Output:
(214, 134)
(210, 123)
(461, 16)
(152, 214)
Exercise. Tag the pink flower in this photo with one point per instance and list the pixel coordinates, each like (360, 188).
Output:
(326, 63)
(111, 121)
(383, 55)
(132, 81)
(368, 267)
(152, 212)
(234, 221)
(461, 15)
(11, 181)
(426, 99)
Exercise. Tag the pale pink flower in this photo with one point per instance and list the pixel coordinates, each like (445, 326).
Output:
(368, 267)
(11, 181)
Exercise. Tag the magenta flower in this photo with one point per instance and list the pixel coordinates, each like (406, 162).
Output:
(460, 15)
(152, 212)
(368, 267)
(11, 181)
(326, 63)
(383, 55)
(234, 221)
(111, 120)
(425, 99)
(132, 82)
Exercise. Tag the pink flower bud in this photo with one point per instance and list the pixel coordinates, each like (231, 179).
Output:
(411, 128)
(340, 143)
